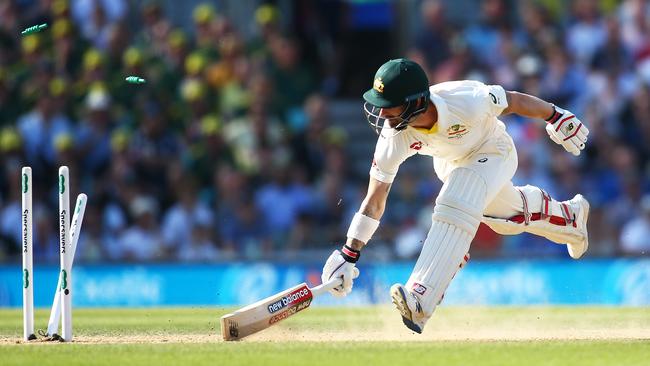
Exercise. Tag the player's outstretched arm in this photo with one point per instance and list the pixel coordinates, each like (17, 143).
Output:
(563, 127)
(373, 207)
(527, 105)
(342, 262)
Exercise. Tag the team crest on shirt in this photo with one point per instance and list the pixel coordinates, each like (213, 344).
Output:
(416, 145)
(457, 131)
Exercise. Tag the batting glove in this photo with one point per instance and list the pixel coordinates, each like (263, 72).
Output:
(565, 129)
(341, 263)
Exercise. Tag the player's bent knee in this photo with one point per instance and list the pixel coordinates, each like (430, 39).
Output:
(462, 200)
(456, 217)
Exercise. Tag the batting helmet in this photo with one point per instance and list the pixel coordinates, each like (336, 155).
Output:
(399, 82)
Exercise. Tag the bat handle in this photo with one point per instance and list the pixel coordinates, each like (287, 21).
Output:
(334, 282)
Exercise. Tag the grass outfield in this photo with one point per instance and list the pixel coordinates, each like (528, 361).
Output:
(346, 336)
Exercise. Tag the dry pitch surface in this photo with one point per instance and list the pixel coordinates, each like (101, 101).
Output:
(346, 336)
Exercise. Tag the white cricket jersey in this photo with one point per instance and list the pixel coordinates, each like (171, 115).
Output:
(467, 118)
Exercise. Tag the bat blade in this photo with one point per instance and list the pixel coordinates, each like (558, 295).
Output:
(266, 312)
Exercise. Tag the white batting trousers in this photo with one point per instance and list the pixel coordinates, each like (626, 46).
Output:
(469, 185)
(478, 185)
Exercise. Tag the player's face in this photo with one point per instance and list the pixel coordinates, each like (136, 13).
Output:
(391, 115)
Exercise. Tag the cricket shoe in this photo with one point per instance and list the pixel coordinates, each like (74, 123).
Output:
(409, 307)
(580, 208)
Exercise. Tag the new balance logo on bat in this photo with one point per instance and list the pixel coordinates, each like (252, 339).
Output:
(295, 297)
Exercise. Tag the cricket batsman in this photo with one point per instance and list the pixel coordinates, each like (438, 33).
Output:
(457, 123)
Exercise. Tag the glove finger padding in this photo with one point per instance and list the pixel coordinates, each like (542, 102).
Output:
(337, 267)
(579, 141)
(349, 274)
(343, 290)
(338, 292)
(582, 136)
(551, 133)
(572, 147)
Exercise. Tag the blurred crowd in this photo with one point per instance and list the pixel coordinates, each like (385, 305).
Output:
(591, 57)
(229, 150)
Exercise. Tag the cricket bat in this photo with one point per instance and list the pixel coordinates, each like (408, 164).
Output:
(267, 312)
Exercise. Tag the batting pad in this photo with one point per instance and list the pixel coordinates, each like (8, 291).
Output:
(455, 219)
(540, 215)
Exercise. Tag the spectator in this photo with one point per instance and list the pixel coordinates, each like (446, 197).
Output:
(200, 246)
(291, 78)
(335, 198)
(68, 47)
(94, 134)
(205, 22)
(485, 37)
(282, 201)
(8, 99)
(93, 242)
(634, 18)
(563, 81)
(46, 235)
(39, 129)
(431, 40)
(205, 149)
(586, 32)
(231, 189)
(460, 63)
(251, 134)
(154, 35)
(267, 19)
(181, 219)
(153, 147)
(635, 236)
(537, 27)
(142, 241)
(11, 214)
(309, 143)
(95, 17)
(247, 234)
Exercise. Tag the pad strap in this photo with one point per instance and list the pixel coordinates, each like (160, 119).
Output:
(546, 202)
(527, 214)
(557, 213)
